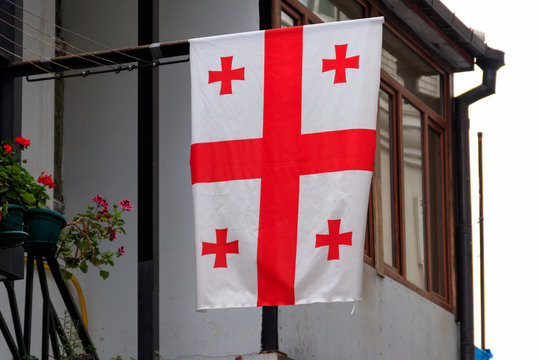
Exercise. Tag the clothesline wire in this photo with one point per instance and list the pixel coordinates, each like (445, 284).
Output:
(54, 46)
(36, 53)
(84, 52)
(79, 35)
(20, 57)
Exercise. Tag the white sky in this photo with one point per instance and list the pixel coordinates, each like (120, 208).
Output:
(510, 127)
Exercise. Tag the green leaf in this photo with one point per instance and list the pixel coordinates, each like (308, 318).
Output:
(66, 275)
(82, 246)
(104, 274)
(83, 266)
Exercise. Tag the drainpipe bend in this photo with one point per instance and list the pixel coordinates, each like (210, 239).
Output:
(489, 63)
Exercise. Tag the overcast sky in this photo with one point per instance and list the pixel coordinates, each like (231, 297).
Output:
(510, 124)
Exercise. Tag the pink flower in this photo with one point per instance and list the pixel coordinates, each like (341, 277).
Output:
(126, 205)
(7, 148)
(22, 142)
(46, 180)
(101, 201)
(121, 251)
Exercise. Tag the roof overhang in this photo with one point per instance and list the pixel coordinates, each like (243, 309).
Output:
(442, 31)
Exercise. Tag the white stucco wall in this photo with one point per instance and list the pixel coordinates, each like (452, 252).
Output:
(37, 124)
(38, 97)
(100, 137)
(100, 127)
(390, 323)
(186, 334)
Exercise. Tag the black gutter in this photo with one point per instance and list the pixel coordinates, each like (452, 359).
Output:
(489, 63)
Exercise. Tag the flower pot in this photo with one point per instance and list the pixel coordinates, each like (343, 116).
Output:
(44, 227)
(11, 227)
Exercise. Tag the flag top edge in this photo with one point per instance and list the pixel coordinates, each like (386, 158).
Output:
(378, 19)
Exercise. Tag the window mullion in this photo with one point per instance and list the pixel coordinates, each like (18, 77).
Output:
(426, 204)
(397, 187)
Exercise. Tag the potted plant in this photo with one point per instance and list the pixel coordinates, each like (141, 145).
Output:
(81, 241)
(18, 190)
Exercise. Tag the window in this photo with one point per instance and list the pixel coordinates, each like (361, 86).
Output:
(412, 170)
(303, 12)
(325, 10)
(407, 234)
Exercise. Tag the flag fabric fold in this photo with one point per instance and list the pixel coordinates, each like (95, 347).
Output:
(283, 143)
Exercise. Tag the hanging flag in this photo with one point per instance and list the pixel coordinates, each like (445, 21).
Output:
(283, 143)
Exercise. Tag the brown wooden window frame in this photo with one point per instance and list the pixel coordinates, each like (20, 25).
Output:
(442, 124)
(430, 120)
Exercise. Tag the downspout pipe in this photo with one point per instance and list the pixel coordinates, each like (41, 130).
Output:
(489, 63)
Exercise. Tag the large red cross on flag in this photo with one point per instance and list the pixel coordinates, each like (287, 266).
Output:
(283, 141)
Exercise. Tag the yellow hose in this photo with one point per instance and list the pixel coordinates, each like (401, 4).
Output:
(79, 293)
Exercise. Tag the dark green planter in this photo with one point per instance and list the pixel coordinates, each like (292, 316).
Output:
(43, 226)
(11, 227)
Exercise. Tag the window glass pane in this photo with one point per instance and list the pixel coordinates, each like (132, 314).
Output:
(342, 16)
(326, 8)
(332, 10)
(435, 213)
(368, 243)
(286, 20)
(323, 9)
(411, 71)
(413, 207)
(385, 166)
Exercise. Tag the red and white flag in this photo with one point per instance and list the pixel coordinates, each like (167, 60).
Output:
(283, 141)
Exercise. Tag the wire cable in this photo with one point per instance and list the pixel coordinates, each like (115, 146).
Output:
(79, 35)
(20, 57)
(83, 52)
(54, 46)
(36, 53)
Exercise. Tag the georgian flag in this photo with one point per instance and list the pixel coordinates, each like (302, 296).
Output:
(283, 142)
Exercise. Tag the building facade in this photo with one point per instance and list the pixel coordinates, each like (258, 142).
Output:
(415, 281)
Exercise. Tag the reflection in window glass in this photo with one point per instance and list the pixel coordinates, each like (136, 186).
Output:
(286, 20)
(435, 215)
(328, 12)
(411, 71)
(413, 203)
(385, 149)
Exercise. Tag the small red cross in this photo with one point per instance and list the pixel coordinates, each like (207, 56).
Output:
(340, 63)
(333, 239)
(226, 75)
(221, 248)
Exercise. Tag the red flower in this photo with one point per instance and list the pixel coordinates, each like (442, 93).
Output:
(7, 148)
(22, 142)
(126, 205)
(121, 251)
(101, 201)
(46, 180)
(98, 199)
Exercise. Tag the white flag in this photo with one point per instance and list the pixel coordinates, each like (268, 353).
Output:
(283, 141)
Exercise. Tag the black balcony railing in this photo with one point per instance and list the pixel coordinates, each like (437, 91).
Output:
(53, 336)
